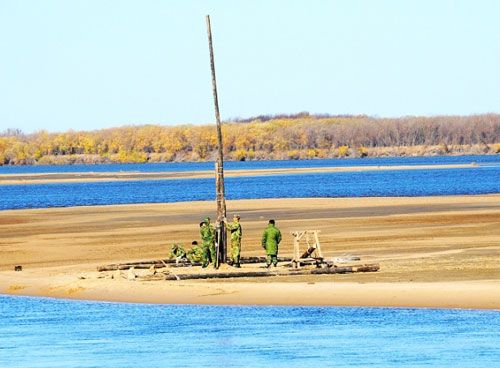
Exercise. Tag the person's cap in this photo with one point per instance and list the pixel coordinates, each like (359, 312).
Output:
(206, 219)
(236, 216)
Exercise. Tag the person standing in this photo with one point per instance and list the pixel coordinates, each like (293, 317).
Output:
(207, 233)
(270, 241)
(236, 234)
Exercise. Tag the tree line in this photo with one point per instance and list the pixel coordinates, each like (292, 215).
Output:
(299, 136)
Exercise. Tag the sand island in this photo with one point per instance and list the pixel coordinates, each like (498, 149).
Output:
(433, 251)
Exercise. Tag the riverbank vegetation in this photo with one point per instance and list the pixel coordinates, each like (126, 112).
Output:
(298, 136)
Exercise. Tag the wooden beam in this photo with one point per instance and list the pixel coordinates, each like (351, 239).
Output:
(221, 239)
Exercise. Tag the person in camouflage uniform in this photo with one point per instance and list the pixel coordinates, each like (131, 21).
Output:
(177, 252)
(207, 233)
(236, 233)
(195, 254)
(270, 241)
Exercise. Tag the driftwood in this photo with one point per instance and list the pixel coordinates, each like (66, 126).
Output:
(227, 275)
(347, 269)
(175, 263)
(248, 260)
(139, 266)
(144, 264)
(218, 275)
(204, 276)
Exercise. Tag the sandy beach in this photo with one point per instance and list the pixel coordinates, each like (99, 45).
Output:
(433, 251)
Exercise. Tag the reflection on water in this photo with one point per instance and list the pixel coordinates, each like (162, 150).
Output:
(38, 332)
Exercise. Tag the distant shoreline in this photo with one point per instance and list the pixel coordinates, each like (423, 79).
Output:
(261, 156)
(81, 177)
(282, 137)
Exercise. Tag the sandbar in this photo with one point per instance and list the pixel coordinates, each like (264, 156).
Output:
(79, 177)
(434, 252)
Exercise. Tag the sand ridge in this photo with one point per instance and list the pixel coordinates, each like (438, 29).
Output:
(79, 177)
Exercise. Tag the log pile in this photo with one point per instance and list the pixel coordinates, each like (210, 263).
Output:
(161, 263)
(239, 274)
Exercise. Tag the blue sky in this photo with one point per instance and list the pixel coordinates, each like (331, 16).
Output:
(86, 65)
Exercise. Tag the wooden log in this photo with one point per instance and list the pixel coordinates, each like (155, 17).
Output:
(261, 259)
(323, 271)
(221, 238)
(347, 269)
(227, 275)
(174, 263)
(218, 275)
(141, 266)
(308, 252)
(248, 260)
(185, 264)
(366, 268)
(155, 277)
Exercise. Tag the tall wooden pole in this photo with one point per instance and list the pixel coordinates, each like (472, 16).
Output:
(219, 165)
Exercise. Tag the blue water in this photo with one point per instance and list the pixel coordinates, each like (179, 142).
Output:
(236, 165)
(473, 180)
(39, 332)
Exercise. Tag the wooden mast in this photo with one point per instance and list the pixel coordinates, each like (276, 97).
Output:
(219, 165)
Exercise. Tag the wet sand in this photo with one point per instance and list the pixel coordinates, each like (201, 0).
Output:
(433, 251)
(78, 177)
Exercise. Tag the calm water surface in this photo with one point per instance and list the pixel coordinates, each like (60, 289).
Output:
(238, 165)
(39, 332)
(473, 180)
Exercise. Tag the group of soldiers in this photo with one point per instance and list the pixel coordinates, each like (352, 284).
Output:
(207, 252)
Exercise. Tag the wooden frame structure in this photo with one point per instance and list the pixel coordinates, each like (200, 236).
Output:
(312, 254)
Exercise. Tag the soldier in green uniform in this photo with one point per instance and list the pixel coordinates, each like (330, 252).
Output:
(177, 251)
(270, 241)
(236, 233)
(195, 254)
(207, 232)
